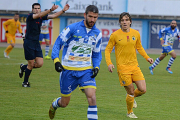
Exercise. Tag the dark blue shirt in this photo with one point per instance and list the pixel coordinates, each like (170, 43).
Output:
(33, 27)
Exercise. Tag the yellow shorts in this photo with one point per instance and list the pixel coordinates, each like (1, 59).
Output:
(10, 38)
(126, 79)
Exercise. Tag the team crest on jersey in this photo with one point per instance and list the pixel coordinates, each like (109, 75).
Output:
(123, 82)
(91, 38)
(133, 38)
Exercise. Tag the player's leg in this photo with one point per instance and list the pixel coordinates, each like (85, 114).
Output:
(58, 102)
(139, 80)
(171, 60)
(28, 71)
(47, 46)
(88, 86)
(11, 41)
(68, 84)
(38, 62)
(92, 108)
(156, 62)
(126, 81)
(30, 56)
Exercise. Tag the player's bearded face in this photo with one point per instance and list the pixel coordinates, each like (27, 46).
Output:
(173, 24)
(91, 19)
(16, 17)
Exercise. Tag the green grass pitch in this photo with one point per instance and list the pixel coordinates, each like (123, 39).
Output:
(161, 102)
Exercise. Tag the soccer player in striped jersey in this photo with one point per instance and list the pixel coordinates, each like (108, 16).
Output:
(170, 34)
(126, 41)
(81, 58)
(45, 35)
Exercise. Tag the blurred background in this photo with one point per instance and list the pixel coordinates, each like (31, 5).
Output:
(149, 16)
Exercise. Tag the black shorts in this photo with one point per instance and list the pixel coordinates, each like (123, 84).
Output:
(32, 49)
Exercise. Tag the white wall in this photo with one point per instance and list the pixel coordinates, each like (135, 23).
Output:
(17, 5)
(154, 7)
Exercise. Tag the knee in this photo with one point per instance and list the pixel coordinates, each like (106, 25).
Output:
(39, 64)
(12, 45)
(143, 91)
(64, 104)
(174, 56)
(92, 100)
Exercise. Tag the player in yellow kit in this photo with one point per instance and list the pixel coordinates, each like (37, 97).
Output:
(10, 27)
(126, 41)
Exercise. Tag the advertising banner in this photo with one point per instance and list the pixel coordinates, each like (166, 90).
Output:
(155, 27)
(79, 6)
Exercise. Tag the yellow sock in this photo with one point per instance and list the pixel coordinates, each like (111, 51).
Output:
(8, 49)
(129, 102)
(138, 93)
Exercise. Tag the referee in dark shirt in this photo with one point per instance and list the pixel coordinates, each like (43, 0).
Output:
(32, 49)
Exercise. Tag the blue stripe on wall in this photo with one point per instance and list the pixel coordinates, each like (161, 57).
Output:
(145, 35)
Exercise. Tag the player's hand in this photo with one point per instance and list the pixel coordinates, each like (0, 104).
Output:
(66, 7)
(54, 7)
(162, 42)
(150, 60)
(58, 67)
(6, 31)
(23, 36)
(110, 67)
(95, 72)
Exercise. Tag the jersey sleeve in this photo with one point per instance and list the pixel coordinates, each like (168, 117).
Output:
(45, 17)
(140, 49)
(60, 41)
(108, 50)
(161, 32)
(19, 28)
(96, 52)
(5, 24)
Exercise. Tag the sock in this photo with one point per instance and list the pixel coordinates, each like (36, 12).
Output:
(129, 102)
(55, 103)
(157, 61)
(27, 74)
(171, 60)
(24, 67)
(8, 49)
(46, 50)
(92, 113)
(138, 93)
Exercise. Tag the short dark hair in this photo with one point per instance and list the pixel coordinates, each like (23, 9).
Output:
(35, 4)
(91, 8)
(124, 14)
(16, 14)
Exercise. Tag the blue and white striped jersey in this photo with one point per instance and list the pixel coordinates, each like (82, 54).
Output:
(169, 35)
(81, 48)
(46, 29)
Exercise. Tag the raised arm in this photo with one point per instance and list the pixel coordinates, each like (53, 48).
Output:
(55, 15)
(42, 14)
